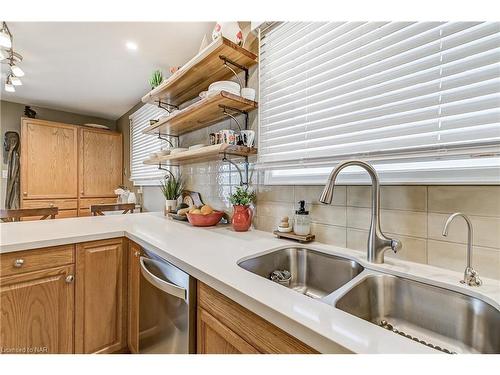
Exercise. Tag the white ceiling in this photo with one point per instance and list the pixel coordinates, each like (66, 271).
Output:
(84, 67)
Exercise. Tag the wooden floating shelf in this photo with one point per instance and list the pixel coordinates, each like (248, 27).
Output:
(202, 70)
(208, 153)
(200, 114)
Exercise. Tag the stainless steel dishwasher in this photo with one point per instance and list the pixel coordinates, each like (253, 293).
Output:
(167, 308)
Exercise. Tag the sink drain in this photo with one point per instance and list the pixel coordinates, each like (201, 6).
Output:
(385, 324)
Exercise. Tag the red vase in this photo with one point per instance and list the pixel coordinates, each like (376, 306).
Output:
(242, 218)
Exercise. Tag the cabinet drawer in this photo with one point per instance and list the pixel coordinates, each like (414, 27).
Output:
(37, 259)
(86, 203)
(62, 204)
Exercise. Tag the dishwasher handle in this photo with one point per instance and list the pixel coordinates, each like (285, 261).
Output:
(161, 284)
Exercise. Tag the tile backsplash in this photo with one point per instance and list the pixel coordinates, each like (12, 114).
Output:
(413, 214)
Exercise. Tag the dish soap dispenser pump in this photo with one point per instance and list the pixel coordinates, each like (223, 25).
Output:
(302, 220)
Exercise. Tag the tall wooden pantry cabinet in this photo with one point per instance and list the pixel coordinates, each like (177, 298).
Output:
(68, 166)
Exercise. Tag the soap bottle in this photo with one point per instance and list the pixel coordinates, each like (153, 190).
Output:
(302, 220)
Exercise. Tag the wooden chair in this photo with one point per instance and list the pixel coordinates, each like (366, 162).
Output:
(98, 209)
(17, 215)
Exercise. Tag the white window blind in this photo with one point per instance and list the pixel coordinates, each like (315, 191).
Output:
(141, 145)
(405, 92)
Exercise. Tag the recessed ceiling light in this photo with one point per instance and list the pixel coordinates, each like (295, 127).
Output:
(131, 46)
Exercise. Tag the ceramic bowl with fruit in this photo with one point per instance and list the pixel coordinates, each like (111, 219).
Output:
(204, 216)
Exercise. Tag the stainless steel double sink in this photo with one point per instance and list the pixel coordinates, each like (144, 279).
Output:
(443, 319)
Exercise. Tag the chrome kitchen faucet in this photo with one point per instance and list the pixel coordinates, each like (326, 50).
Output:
(378, 243)
(471, 277)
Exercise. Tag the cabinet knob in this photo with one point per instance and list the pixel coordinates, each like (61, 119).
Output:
(25, 193)
(51, 205)
(82, 193)
(18, 263)
(70, 278)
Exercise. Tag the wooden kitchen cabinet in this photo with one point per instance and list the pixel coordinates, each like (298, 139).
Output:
(68, 166)
(49, 160)
(134, 279)
(100, 163)
(226, 327)
(37, 301)
(58, 300)
(100, 296)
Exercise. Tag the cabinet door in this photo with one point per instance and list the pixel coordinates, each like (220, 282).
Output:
(37, 312)
(213, 337)
(134, 278)
(100, 325)
(49, 155)
(100, 163)
(253, 329)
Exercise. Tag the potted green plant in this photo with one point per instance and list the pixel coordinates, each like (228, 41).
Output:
(241, 200)
(156, 79)
(171, 188)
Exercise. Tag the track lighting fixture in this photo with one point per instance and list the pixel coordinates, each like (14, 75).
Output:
(8, 56)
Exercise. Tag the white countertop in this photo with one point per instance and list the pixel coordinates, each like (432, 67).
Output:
(211, 256)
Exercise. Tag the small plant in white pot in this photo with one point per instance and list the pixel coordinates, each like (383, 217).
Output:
(171, 188)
